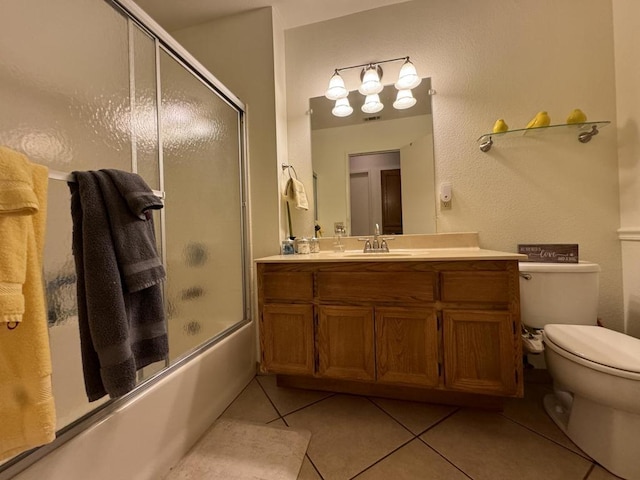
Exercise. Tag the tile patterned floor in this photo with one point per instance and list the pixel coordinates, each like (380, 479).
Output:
(366, 438)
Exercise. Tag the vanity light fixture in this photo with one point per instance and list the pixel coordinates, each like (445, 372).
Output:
(342, 108)
(371, 86)
(404, 99)
(336, 88)
(372, 104)
(408, 77)
(371, 76)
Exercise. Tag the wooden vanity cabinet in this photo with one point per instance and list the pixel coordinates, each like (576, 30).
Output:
(481, 334)
(345, 343)
(446, 326)
(478, 350)
(287, 337)
(407, 346)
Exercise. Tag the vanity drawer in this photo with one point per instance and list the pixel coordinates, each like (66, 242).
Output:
(376, 286)
(475, 286)
(291, 286)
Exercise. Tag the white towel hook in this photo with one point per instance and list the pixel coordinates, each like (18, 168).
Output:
(290, 167)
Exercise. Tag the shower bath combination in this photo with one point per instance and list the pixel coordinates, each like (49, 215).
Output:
(138, 103)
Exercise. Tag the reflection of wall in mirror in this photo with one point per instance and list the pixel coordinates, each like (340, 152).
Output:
(331, 148)
(418, 186)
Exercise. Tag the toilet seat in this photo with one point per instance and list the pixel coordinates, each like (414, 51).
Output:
(596, 347)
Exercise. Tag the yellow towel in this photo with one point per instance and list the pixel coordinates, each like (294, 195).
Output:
(17, 201)
(27, 409)
(294, 191)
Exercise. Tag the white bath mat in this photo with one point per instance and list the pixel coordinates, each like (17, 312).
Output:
(235, 450)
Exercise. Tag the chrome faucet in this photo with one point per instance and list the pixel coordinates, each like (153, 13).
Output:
(376, 245)
(376, 233)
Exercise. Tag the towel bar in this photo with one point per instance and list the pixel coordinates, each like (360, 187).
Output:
(69, 177)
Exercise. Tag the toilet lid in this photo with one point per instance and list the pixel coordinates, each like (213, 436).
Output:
(597, 344)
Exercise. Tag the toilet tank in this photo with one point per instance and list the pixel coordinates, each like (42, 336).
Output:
(559, 293)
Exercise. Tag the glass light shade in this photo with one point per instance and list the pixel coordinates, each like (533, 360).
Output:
(336, 88)
(370, 82)
(404, 99)
(342, 108)
(372, 104)
(408, 77)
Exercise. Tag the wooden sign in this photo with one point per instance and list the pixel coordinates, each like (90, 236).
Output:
(550, 252)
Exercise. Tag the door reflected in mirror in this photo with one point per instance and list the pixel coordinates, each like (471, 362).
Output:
(375, 193)
(350, 154)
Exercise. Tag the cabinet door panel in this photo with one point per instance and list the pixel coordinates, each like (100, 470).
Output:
(407, 346)
(286, 334)
(479, 351)
(345, 342)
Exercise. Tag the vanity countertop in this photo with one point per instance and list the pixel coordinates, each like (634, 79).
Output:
(399, 255)
(403, 248)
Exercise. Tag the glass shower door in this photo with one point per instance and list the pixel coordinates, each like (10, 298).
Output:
(65, 96)
(203, 212)
(84, 87)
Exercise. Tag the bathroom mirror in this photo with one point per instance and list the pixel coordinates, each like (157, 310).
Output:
(374, 168)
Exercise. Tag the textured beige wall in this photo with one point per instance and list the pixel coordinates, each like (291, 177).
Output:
(488, 60)
(626, 16)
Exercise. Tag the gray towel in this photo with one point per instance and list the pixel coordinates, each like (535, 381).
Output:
(120, 311)
(128, 200)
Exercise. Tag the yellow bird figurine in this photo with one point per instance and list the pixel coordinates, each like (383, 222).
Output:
(540, 120)
(577, 116)
(500, 126)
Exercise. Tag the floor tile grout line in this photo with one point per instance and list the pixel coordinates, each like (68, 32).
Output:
(540, 434)
(413, 437)
(315, 402)
(313, 465)
(282, 415)
(593, 466)
(450, 462)
(236, 397)
(391, 416)
(385, 456)
(450, 414)
(269, 399)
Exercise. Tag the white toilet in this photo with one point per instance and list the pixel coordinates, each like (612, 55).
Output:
(596, 371)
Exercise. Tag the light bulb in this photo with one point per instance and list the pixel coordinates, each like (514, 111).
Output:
(408, 77)
(372, 104)
(371, 81)
(404, 99)
(336, 88)
(342, 108)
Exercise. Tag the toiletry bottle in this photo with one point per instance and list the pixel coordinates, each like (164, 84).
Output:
(288, 247)
(302, 245)
(314, 245)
